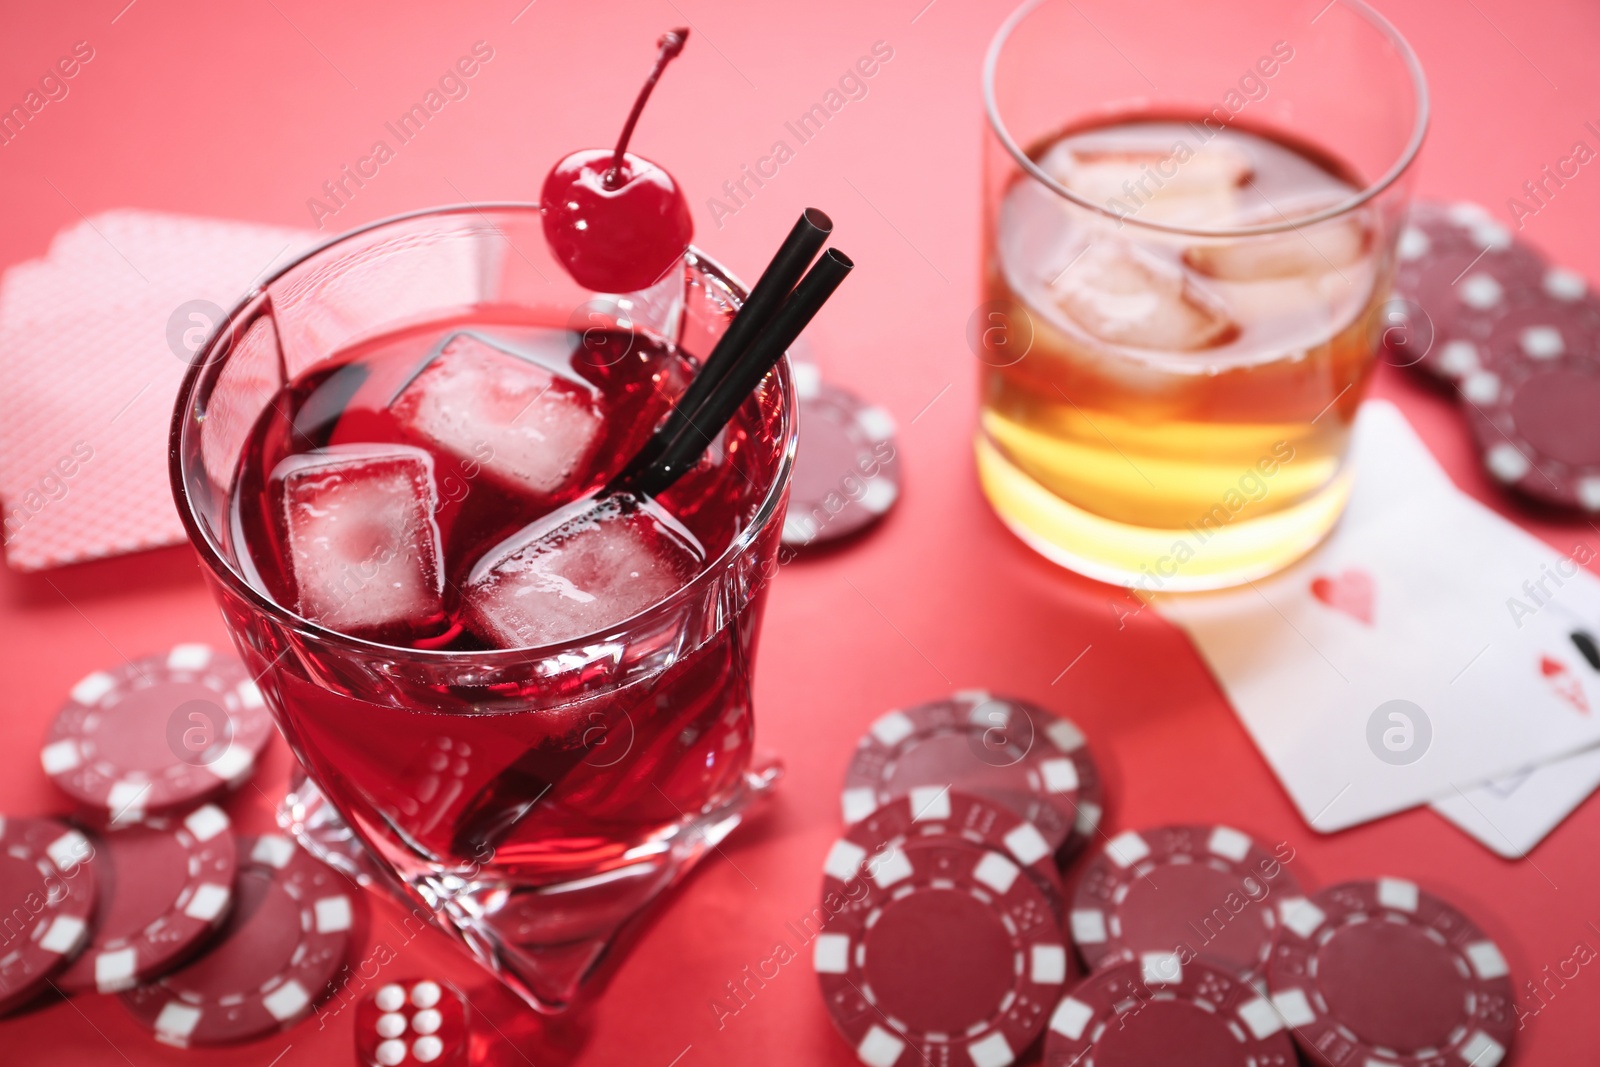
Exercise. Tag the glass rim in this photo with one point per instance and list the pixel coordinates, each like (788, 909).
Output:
(220, 567)
(1408, 154)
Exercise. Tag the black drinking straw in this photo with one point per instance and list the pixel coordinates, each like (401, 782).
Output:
(774, 285)
(676, 454)
(785, 315)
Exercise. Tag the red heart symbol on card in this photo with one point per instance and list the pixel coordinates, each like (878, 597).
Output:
(1351, 592)
(1563, 684)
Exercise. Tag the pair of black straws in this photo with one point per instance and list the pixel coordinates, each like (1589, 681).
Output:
(777, 309)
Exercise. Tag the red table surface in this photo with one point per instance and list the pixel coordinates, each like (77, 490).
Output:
(243, 110)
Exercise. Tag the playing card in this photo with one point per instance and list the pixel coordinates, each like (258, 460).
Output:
(1512, 814)
(134, 256)
(1410, 633)
(1392, 466)
(95, 340)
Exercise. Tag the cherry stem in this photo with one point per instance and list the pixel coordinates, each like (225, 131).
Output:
(671, 44)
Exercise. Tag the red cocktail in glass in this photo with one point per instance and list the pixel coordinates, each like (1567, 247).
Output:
(535, 738)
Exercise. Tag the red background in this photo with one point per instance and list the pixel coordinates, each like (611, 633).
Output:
(243, 110)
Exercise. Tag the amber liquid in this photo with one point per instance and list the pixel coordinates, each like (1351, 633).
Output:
(1167, 411)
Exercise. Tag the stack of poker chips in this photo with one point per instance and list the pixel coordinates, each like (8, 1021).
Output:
(945, 941)
(1515, 338)
(951, 939)
(145, 891)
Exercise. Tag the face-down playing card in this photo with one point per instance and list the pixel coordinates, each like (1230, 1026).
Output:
(98, 335)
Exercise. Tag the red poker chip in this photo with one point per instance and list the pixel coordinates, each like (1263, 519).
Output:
(1520, 340)
(1382, 972)
(412, 1021)
(1539, 321)
(1206, 891)
(1008, 750)
(1462, 270)
(847, 470)
(1435, 228)
(1162, 1009)
(1538, 327)
(939, 811)
(282, 944)
(47, 894)
(956, 963)
(158, 734)
(165, 887)
(1534, 420)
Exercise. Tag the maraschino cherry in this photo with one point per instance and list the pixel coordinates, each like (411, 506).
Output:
(616, 220)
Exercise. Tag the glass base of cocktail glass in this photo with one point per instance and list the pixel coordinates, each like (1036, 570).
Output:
(531, 802)
(546, 941)
(1192, 558)
(312, 820)
(550, 969)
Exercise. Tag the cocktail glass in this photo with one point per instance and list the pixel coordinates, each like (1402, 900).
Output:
(535, 800)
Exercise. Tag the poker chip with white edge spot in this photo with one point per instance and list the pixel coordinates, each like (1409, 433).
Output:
(847, 469)
(1534, 422)
(1383, 972)
(157, 734)
(869, 848)
(47, 895)
(1197, 891)
(284, 941)
(1463, 269)
(166, 887)
(957, 963)
(1162, 1008)
(1034, 762)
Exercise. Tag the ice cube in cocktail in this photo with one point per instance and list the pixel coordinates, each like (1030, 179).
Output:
(532, 426)
(363, 547)
(1148, 182)
(1308, 251)
(1120, 292)
(579, 570)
